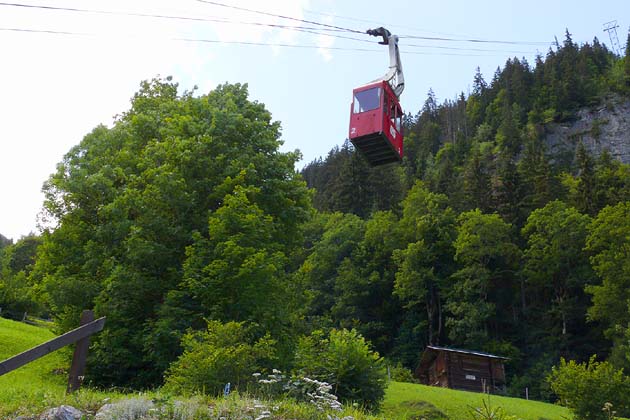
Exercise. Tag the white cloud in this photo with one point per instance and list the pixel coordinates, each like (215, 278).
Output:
(324, 42)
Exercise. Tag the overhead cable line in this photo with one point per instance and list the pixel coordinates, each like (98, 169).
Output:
(251, 43)
(380, 23)
(441, 47)
(158, 16)
(319, 25)
(312, 22)
(490, 41)
(304, 29)
(452, 37)
(215, 3)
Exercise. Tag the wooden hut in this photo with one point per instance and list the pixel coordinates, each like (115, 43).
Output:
(462, 369)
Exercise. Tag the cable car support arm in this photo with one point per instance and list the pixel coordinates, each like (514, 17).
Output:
(394, 76)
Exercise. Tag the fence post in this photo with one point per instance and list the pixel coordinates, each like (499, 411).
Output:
(77, 369)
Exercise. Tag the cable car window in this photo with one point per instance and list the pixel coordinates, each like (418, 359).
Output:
(367, 100)
(392, 115)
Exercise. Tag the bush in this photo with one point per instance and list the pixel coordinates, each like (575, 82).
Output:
(586, 387)
(345, 361)
(399, 373)
(221, 354)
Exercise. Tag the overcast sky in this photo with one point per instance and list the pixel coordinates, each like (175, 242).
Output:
(57, 87)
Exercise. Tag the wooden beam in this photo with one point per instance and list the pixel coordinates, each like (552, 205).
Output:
(52, 345)
(79, 359)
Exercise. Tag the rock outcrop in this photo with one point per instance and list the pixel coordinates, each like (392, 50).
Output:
(606, 126)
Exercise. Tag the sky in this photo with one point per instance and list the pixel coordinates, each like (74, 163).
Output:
(65, 72)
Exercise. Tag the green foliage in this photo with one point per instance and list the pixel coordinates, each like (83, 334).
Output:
(17, 293)
(224, 353)
(586, 387)
(336, 177)
(489, 412)
(557, 270)
(478, 179)
(341, 237)
(344, 360)
(183, 194)
(364, 284)
(532, 381)
(599, 183)
(488, 258)
(608, 242)
(425, 264)
(399, 373)
(236, 273)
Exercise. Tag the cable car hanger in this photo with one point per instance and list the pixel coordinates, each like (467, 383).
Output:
(394, 76)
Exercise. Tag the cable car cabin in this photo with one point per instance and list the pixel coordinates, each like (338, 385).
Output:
(376, 123)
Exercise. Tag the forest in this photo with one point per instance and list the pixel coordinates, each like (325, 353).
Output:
(186, 212)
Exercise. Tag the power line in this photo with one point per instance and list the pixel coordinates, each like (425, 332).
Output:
(306, 29)
(215, 3)
(380, 23)
(158, 16)
(441, 47)
(312, 22)
(250, 43)
(489, 41)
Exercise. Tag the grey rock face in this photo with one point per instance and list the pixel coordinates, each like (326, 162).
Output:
(606, 126)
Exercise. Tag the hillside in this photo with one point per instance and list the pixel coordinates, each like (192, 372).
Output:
(37, 386)
(405, 401)
(36, 382)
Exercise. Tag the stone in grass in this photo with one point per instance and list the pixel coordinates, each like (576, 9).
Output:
(63, 412)
(134, 408)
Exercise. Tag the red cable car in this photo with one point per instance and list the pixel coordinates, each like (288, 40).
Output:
(375, 114)
(376, 123)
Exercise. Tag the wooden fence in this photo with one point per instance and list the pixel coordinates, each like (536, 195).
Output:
(80, 335)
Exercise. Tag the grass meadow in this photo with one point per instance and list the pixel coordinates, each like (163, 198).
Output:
(37, 386)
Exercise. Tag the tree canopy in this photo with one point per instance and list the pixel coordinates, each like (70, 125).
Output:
(185, 208)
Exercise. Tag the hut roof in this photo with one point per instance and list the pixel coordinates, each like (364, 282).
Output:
(430, 353)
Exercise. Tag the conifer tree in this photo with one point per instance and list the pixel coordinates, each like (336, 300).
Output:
(506, 186)
(477, 181)
(586, 197)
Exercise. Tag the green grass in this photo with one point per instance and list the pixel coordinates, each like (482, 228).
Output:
(40, 384)
(405, 401)
(35, 378)
(37, 386)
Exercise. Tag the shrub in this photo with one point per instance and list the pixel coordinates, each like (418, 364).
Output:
(489, 412)
(399, 373)
(224, 353)
(345, 361)
(586, 387)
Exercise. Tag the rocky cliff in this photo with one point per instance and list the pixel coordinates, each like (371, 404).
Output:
(606, 126)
